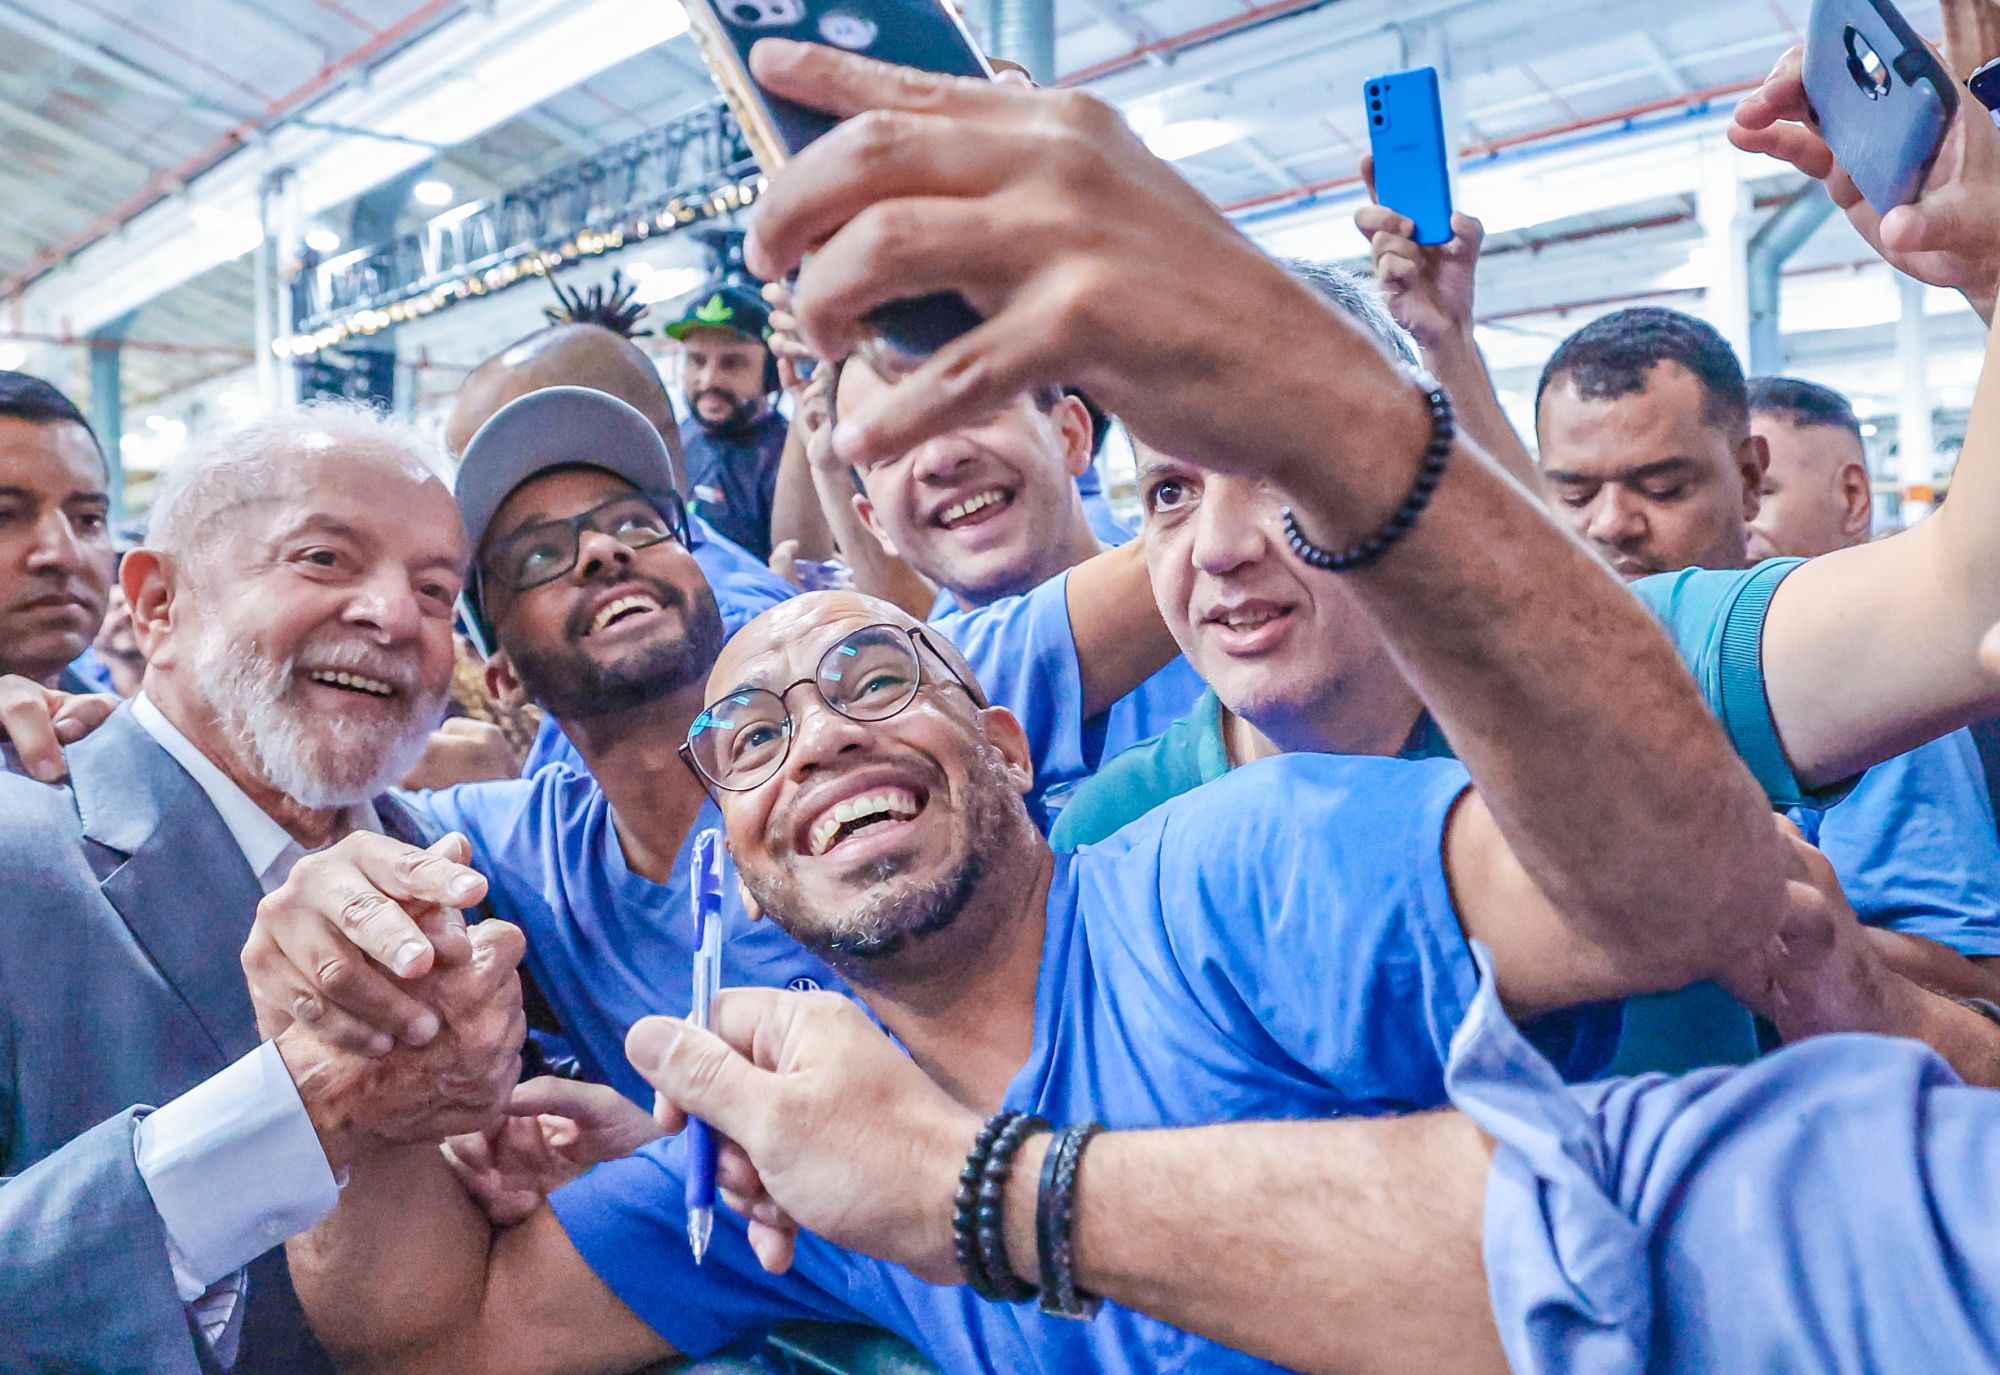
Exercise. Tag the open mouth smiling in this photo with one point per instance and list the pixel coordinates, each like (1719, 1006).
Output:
(859, 815)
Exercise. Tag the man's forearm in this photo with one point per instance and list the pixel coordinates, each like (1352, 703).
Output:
(1121, 640)
(1562, 695)
(876, 571)
(795, 507)
(394, 1279)
(1460, 367)
(1871, 651)
(1351, 1246)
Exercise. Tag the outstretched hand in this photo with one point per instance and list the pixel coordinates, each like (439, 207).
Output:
(554, 1131)
(1086, 255)
(827, 1125)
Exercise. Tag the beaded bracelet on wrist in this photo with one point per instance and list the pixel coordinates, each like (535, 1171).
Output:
(1444, 430)
(964, 1217)
(1003, 1285)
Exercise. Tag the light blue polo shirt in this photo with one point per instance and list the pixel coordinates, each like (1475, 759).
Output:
(744, 589)
(606, 946)
(1830, 1208)
(1222, 960)
(1023, 652)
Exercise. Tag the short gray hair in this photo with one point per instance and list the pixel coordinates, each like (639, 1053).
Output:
(232, 466)
(1359, 297)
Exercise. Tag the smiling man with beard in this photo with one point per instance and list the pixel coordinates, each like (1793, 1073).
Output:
(294, 603)
(587, 597)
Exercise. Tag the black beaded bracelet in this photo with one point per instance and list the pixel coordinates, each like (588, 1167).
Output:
(1003, 1285)
(964, 1216)
(1055, 1221)
(1444, 429)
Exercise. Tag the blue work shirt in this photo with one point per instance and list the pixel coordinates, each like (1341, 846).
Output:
(606, 946)
(1830, 1209)
(733, 478)
(1223, 960)
(1023, 652)
(744, 589)
(1915, 847)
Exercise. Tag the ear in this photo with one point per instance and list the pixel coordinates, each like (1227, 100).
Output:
(1753, 459)
(146, 577)
(502, 685)
(1857, 497)
(865, 508)
(1004, 732)
(1072, 424)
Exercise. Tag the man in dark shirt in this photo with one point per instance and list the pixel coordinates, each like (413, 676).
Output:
(732, 439)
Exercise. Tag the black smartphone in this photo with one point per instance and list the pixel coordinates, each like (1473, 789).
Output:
(925, 34)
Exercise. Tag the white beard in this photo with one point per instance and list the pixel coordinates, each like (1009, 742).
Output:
(319, 761)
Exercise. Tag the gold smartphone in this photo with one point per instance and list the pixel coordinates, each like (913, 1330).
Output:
(926, 34)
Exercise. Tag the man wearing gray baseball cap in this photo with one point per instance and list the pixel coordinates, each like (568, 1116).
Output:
(585, 598)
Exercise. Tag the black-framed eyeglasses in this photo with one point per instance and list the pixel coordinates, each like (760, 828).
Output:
(739, 742)
(545, 551)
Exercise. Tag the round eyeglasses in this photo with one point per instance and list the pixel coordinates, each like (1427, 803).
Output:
(741, 741)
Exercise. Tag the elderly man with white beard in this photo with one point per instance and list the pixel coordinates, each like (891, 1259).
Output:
(294, 602)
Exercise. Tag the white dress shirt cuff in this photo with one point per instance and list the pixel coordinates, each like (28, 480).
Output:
(234, 1167)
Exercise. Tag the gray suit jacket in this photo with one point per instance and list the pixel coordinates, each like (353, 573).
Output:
(124, 904)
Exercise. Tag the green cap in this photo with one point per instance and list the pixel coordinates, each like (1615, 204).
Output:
(736, 308)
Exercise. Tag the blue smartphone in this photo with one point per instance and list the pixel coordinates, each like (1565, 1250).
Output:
(926, 34)
(1406, 134)
(1881, 99)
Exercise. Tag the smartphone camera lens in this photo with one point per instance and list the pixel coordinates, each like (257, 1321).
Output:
(746, 14)
(1374, 90)
(1375, 105)
(1378, 121)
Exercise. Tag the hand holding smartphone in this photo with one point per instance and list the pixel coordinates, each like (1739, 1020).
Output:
(1412, 165)
(1882, 100)
(925, 34)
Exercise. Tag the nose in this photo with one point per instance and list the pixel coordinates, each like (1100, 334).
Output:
(939, 460)
(57, 547)
(820, 734)
(598, 555)
(386, 605)
(1230, 529)
(1614, 519)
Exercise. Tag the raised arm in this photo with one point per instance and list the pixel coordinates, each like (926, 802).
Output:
(1323, 1246)
(1125, 253)
(1868, 651)
(1429, 290)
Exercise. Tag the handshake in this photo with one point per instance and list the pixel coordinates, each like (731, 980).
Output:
(403, 1026)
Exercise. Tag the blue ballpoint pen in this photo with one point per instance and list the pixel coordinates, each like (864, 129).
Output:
(707, 893)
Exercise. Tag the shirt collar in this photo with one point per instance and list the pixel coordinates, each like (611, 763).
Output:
(262, 840)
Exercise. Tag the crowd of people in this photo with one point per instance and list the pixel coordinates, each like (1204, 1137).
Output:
(1418, 900)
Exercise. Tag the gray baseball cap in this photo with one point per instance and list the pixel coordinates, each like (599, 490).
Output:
(556, 427)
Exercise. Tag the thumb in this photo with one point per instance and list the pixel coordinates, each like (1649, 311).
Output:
(1945, 223)
(698, 1073)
